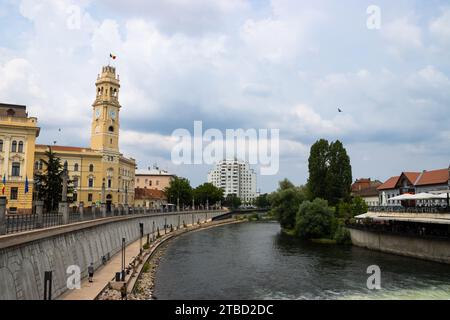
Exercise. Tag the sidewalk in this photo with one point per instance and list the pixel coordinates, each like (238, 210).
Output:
(104, 274)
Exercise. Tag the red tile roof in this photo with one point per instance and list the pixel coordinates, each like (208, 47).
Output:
(389, 183)
(63, 148)
(144, 193)
(433, 177)
(412, 176)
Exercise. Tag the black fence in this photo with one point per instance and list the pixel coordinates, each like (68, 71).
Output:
(417, 209)
(25, 222)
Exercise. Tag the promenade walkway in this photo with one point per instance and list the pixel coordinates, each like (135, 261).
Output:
(105, 274)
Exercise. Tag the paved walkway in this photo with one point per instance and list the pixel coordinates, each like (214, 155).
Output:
(104, 274)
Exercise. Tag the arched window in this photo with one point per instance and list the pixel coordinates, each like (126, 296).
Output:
(111, 129)
(90, 182)
(115, 93)
(14, 146)
(1, 145)
(91, 168)
(20, 147)
(75, 167)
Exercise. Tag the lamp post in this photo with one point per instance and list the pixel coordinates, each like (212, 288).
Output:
(123, 259)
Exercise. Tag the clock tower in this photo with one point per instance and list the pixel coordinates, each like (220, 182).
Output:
(105, 120)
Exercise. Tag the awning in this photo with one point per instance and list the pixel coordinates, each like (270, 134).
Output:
(406, 196)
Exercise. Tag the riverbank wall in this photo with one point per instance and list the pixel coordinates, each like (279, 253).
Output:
(423, 248)
(26, 256)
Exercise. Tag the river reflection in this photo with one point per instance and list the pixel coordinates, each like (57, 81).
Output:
(256, 261)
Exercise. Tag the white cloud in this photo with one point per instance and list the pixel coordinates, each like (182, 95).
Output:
(440, 27)
(401, 35)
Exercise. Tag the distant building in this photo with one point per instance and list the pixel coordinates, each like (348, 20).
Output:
(150, 198)
(153, 178)
(413, 182)
(18, 134)
(234, 177)
(367, 190)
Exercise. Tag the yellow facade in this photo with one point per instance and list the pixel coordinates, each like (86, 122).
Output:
(18, 134)
(102, 162)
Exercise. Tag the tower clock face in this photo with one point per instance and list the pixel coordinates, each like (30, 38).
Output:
(113, 114)
(97, 112)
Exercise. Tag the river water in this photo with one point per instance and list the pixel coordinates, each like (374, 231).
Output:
(256, 261)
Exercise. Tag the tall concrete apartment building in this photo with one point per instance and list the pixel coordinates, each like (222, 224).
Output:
(234, 177)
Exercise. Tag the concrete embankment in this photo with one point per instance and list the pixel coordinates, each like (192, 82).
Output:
(422, 248)
(25, 257)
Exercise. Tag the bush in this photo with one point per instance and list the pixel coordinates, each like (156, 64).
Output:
(146, 246)
(314, 220)
(146, 267)
(342, 235)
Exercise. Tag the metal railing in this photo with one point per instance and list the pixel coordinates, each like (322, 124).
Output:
(25, 222)
(418, 209)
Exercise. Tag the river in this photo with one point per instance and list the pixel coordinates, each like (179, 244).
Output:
(256, 261)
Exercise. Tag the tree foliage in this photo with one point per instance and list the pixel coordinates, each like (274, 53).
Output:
(262, 201)
(179, 188)
(314, 220)
(49, 182)
(330, 172)
(285, 203)
(207, 191)
(232, 201)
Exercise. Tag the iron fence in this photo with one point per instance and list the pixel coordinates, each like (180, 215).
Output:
(25, 222)
(418, 209)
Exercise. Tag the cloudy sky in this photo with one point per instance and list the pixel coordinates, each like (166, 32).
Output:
(240, 64)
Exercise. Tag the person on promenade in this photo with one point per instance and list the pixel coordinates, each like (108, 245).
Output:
(91, 272)
(123, 291)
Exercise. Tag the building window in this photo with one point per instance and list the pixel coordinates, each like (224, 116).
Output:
(20, 147)
(89, 197)
(90, 183)
(74, 196)
(1, 145)
(40, 164)
(91, 168)
(75, 182)
(150, 183)
(15, 172)
(75, 167)
(36, 165)
(109, 183)
(157, 182)
(14, 146)
(111, 129)
(14, 193)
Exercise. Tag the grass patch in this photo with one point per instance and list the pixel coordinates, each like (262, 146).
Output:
(146, 267)
(324, 241)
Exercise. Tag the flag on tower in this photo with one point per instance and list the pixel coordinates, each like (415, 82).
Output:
(112, 56)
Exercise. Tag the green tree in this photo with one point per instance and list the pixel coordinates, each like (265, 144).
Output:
(179, 188)
(314, 220)
(285, 203)
(318, 169)
(262, 201)
(49, 182)
(339, 174)
(207, 191)
(359, 206)
(232, 201)
(330, 172)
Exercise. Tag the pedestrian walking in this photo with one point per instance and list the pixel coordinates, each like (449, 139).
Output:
(91, 272)
(123, 291)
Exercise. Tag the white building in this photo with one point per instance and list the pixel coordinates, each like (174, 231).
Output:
(234, 177)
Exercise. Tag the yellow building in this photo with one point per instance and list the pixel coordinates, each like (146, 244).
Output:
(18, 134)
(101, 163)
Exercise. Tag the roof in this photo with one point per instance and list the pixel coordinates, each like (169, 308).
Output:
(13, 110)
(412, 176)
(371, 191)
(152, 172)
(144, 193)
(63, 148)
(389, 183)
(439, 176)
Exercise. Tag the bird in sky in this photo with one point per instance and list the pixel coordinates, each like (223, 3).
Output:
(339, 110)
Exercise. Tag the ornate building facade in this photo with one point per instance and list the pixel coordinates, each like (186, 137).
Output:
(18, 134)
(101, 164)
